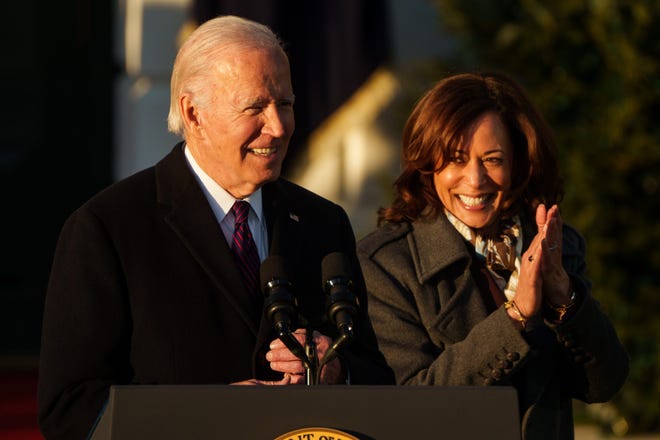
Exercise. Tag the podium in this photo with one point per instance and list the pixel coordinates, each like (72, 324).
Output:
(364, 412)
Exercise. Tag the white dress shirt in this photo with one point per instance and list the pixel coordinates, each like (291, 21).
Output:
(221, 202)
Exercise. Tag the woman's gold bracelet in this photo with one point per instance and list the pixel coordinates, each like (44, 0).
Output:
(521, 318)
(561, 309)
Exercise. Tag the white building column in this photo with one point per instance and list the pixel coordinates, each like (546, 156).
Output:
(146, 44)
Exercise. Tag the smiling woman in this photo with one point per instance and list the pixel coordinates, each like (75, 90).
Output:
(472, 276)
(473, 184)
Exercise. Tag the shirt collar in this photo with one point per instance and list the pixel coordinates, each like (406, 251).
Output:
(221, 201)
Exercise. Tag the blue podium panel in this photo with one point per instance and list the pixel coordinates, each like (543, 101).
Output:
(363, 412)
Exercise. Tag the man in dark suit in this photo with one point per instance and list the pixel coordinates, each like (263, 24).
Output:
(145, 286)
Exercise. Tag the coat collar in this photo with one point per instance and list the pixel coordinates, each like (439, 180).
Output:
(434, 246)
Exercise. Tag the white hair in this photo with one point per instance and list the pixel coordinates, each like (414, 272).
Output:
(193, 66)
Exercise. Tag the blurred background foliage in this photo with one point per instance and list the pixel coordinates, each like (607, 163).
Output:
(593, 68)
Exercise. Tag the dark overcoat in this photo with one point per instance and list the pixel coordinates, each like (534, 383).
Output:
(144, 290)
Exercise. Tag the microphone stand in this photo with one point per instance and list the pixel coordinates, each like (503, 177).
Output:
(333, 351)
(306, 354)
(311, 366)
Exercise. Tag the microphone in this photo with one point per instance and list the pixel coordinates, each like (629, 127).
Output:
(280, 308)
(342, 303)
(279, 303)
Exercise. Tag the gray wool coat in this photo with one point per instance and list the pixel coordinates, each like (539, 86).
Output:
(434, 327)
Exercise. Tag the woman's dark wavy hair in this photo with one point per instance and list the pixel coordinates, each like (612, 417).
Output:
(443, 118)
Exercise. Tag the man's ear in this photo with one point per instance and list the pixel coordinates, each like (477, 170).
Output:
(189, 113)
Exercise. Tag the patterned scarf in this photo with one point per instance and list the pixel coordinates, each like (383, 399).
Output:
(501, 250)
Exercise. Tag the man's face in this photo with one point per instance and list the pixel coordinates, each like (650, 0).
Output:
(246, 127)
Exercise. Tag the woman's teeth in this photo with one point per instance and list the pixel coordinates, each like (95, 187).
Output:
(473, 201)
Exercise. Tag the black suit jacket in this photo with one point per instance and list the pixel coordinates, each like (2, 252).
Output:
(144, 290)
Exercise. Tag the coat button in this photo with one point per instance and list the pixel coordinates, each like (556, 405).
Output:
(497, 373)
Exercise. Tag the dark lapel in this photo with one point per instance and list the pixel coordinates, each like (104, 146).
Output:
(436, 247)
(190, 216)
(283, 220)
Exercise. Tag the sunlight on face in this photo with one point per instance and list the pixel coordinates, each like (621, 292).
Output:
(249, 121)
(475, 183)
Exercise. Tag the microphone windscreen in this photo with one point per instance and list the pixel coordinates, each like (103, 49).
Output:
(335, 265)
(273, 267)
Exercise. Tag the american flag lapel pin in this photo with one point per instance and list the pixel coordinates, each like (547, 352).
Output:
(294, 217)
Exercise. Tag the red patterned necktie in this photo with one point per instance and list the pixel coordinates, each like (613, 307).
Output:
(244, 248)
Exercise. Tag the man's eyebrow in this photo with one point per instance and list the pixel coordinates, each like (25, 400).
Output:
(261, 100)
(248, 102)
